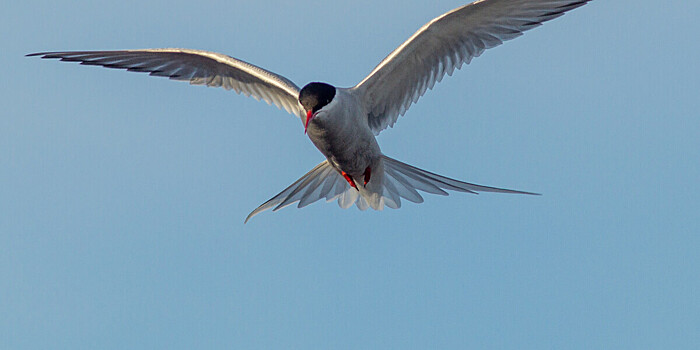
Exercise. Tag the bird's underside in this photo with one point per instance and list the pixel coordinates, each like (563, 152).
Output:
(343, 123)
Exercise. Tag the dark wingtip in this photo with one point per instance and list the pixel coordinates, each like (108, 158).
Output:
(248, 217)
(43, 54)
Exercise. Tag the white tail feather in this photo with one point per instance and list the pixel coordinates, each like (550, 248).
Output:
(391, 180)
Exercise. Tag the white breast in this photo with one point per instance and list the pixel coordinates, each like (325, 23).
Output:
(341, 133)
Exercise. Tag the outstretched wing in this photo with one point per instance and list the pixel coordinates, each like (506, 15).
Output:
(197, 67)
(445, 44)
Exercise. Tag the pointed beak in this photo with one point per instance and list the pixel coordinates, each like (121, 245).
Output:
(309, 115)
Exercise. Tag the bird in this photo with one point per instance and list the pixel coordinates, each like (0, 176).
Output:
(343, 122)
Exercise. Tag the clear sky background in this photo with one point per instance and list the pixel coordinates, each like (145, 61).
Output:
(122, 196)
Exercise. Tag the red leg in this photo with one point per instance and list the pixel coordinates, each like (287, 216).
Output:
(349, 180)
(368, 174)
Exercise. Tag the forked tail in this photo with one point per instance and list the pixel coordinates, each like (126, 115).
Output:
(391, 180)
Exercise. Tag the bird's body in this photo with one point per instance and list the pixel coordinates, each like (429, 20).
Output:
(343, 122)
(341, 133)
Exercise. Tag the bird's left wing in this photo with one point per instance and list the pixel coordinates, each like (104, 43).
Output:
(197, 67)
(445, 44)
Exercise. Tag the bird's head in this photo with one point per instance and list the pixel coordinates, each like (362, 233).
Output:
(313, 97)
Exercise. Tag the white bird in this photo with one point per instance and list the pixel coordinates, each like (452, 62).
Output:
(343, 122)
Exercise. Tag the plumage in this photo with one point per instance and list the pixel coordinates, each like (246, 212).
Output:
(198, 68)
(445, 44)
(343, 122)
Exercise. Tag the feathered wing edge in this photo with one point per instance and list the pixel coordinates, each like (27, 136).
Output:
(198, 68)
(398, 180)
(447, 43)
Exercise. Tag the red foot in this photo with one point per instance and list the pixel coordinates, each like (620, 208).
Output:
(368, 174)
(349, 180)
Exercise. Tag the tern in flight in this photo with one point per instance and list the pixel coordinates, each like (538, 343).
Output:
(343, 122)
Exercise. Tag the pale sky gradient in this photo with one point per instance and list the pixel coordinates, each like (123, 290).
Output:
(122, 196)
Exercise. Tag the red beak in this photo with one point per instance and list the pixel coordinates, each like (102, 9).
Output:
(309, 115)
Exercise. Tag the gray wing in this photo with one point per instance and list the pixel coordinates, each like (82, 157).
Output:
(445, 44)
(197, 67)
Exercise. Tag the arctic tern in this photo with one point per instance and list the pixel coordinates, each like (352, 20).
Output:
(343, 122)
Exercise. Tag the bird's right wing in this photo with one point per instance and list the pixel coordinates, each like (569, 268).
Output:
(197, 67)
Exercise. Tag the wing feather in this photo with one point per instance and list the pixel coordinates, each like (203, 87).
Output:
(198, 68)
(445, 44)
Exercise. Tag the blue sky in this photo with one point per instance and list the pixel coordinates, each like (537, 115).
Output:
(122, 196)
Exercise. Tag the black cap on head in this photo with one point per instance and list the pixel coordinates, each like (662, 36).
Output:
(316, 95)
